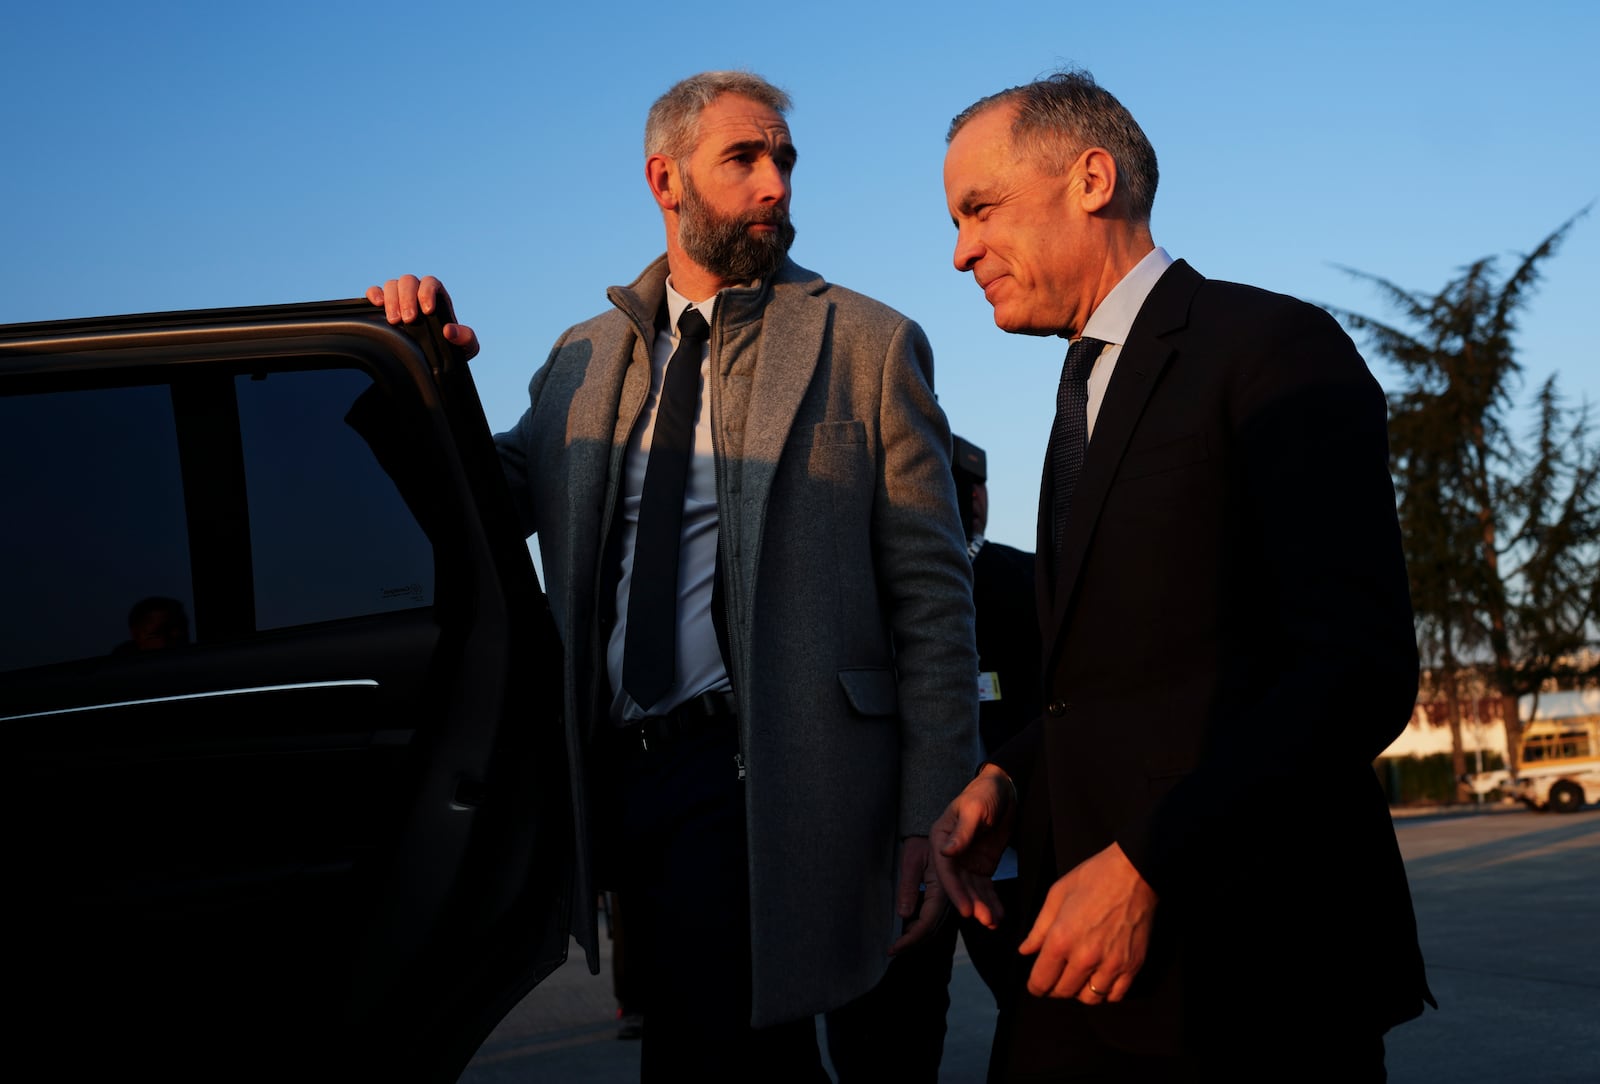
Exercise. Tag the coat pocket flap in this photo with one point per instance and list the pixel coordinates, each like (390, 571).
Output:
(850, 431)
(871, 691)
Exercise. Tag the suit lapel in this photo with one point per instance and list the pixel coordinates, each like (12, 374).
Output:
(785, 364)
(1044, 571)
(1150, 348)
(768, 344)
(605, 407)
(600, 417)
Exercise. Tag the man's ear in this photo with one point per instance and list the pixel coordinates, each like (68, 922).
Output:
(1094, 177)
(661, 174)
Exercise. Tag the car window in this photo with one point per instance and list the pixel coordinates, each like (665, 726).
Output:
(195, 510)
(329, 536)
(94, 519)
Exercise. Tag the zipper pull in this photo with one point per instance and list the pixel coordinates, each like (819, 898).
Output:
(738, 758)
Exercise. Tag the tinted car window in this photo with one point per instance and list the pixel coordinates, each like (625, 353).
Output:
(94, 519)
(329, 535)
(189, 510)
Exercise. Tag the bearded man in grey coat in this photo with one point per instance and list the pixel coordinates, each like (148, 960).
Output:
(766, 816)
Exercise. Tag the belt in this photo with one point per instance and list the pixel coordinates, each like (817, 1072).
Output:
(697, 715)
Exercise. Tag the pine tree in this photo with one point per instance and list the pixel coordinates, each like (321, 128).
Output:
(1502, 537)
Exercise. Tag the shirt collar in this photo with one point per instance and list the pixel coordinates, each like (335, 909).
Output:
(676, 303)
(1113, 318)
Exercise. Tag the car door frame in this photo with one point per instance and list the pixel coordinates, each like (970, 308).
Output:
(467, 901)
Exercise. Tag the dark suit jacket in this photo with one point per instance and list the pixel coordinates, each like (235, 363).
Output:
(1228, 646)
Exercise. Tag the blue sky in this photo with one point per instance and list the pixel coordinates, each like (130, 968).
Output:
(189, 155)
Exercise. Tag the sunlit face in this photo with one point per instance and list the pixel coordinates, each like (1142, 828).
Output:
(1018, 231)
(734, 208)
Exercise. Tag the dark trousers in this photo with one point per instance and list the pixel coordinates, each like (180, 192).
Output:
(684, 871)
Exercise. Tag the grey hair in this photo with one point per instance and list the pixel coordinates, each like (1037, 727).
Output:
(673, 127)
(1064, 114)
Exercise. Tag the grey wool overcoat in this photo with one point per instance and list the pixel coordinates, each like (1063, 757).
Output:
(847, 589)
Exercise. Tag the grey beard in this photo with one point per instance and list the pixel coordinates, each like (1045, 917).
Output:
(725, 246)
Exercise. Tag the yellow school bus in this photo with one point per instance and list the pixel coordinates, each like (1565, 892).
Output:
(1560, 765)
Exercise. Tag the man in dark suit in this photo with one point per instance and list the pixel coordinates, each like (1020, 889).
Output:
(1207, 861)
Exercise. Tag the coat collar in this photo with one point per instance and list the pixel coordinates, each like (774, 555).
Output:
(783, 364)
(768, 374)
(641, 299)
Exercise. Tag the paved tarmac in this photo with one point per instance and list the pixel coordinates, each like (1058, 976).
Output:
(1508, 904)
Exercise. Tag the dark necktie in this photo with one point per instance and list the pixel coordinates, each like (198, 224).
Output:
(649, 647)
(1070, 432)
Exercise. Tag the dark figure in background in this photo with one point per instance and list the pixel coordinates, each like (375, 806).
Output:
(897, 1031)
(764, 761)
(1007, 619)
(154, 623)
(1226, 625)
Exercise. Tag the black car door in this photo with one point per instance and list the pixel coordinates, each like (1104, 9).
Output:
(280, 695)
